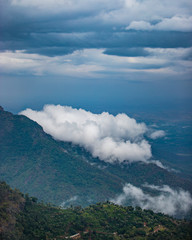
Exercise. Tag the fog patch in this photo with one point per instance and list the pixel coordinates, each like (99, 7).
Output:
(68, 202)
(165, 199)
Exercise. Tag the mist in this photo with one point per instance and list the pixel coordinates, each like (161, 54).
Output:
(164, 199)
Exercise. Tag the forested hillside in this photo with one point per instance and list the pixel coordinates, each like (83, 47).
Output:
(32, 220)
(56, 172)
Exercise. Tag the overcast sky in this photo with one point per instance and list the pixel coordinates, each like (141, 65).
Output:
(91, 53)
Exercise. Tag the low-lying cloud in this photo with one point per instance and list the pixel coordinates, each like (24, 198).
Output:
(68, 202)
(166, 200)
(157, 134)
(111, 138)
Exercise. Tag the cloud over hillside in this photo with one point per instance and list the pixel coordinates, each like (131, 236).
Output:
(111, 138)
(166, 200)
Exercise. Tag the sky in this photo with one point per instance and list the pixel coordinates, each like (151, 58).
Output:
(116, 56)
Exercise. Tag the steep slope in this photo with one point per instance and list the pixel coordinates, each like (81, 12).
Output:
(11, 204)
(33, 220)
(60, 172)
(135, 173)
(35, 163)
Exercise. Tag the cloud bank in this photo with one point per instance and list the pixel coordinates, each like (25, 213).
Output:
(93, 63)
(65, 26)
(166, 200)
(111, 138)
(114, 12)
(176, 23)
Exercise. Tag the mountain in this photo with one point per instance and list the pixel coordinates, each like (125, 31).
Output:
(23, 218)
(63, 173)
(12, 202)
(34, 162)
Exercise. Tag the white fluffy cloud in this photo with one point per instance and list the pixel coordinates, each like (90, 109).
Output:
(175, 23)
(167, 200)
(111, 138)
(157, 134)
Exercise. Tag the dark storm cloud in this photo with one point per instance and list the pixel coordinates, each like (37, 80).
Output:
(127, 52)
(53, 51)
(94, 52)
(57, 28)
(117, 43)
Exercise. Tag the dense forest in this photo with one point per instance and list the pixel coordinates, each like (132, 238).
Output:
(24, 218)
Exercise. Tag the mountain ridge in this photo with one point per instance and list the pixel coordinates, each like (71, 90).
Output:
(63, 173)
(28, 154)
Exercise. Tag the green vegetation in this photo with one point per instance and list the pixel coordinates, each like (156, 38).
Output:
(53, 171)
(34, 162)
(11, 204)
(38, 221)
